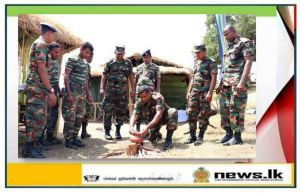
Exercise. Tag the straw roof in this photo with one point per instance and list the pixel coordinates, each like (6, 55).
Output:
(30, 24)
(165, 67)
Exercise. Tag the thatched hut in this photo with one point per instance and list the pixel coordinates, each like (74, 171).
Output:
(174, 81)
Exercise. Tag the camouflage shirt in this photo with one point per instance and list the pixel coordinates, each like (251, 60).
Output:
(234, 60)
(148, 110)
(53, 66)
(202, 71)
(118, 73)
(38, 53)
(79, 72)
(147, 74)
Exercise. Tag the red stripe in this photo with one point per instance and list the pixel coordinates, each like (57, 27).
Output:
(286, 116)
(282, 109)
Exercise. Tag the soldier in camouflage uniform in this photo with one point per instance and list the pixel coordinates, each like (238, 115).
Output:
(200, 93)
(52, 111)
(54, 49)
(152, 106)
(77, 93)
(115, 81)
(38, 89)
(147, 74)
(88, 108)
(237, 66)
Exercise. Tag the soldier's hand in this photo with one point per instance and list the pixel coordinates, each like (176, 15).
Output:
(49, 104)
(188, 96)
(53, 99)
(240, 88)
(132, 94)
(60, 95)
(208, 97)
(90, 100)
(218, 90)
(70, 98)
(101, 92)
(144, 132)
(131, 131)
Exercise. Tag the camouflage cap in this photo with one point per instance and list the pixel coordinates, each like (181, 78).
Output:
(47, 25)
(200, 47)
(120, 49)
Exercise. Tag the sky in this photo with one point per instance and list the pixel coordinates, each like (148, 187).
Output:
(169, 37)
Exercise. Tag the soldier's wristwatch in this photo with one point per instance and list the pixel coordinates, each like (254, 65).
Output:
(51, 91)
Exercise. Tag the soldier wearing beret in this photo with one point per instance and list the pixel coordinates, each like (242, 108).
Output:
(147, 74)
(38, 89)
(114, 88)
(76, 96)
(200, 93)
(237, 66)
(152, 106)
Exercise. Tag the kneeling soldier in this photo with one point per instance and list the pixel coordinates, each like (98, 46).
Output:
(152, 106)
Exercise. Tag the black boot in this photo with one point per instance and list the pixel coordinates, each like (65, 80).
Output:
(168, 143)
(78, 143)
(138, 127)
(70, 144)
(41, 146)
(235, 140)
(107, 133)
(29, 152)
(84, 133)
(118, 135)
(199, 141)
(52, 140)
(227, 137)
(192, 137)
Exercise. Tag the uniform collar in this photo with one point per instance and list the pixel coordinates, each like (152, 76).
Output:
(199, 61)
(41, 38)
(235, 41)
(115, 60)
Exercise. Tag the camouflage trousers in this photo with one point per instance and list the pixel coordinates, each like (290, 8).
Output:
(35, 116)
(115, 100)
(169, 118)
(233, 108)
(52, 118)
(73, 113)
(88, 112)
(198, 108)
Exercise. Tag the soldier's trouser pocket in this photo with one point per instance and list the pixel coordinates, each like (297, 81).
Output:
(238, 105)
(36, 118)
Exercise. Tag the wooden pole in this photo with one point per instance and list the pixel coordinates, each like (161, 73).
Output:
(60, 100)
(130, 102)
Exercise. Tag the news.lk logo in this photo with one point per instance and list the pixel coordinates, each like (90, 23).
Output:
(271, 175)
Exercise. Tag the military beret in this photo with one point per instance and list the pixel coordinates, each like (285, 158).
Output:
(146, 53)
(47, 25)
(120, 49)
(200, 47)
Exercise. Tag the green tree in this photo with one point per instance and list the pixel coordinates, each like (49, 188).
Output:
(244, 24)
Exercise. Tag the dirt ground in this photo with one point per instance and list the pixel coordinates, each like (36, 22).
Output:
(97, 145)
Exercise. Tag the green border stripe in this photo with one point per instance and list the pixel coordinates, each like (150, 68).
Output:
(141, 9)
